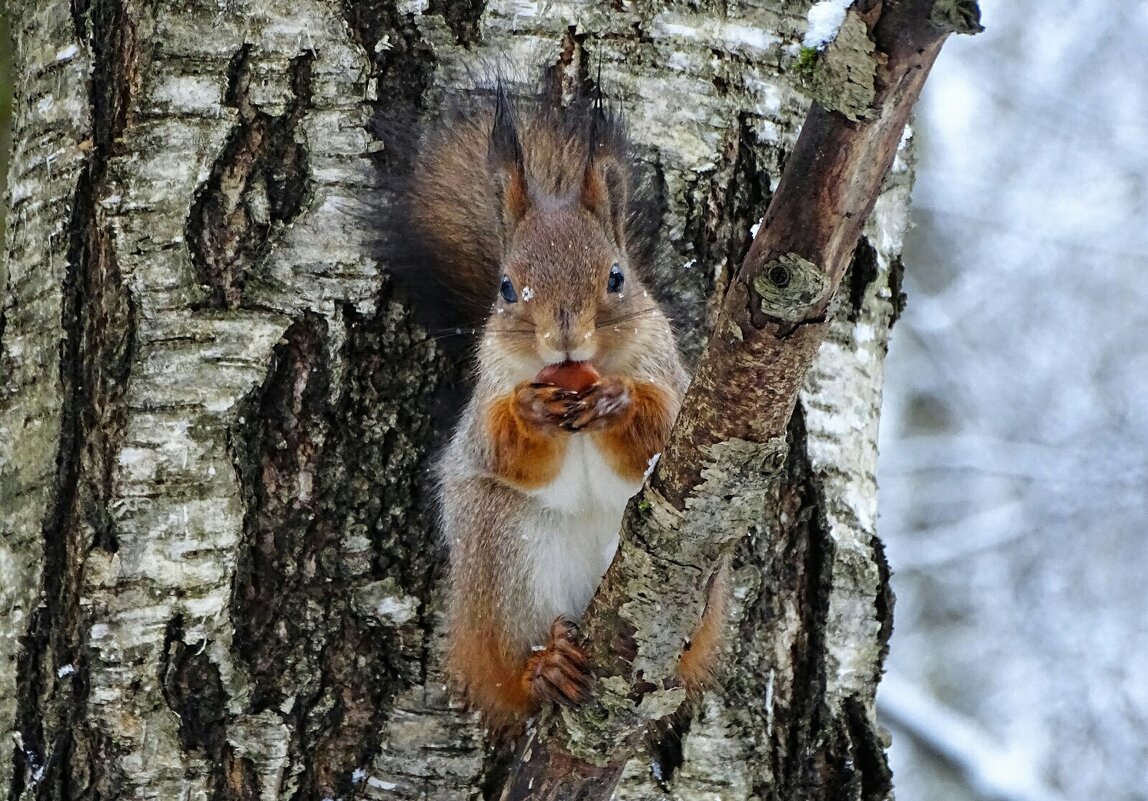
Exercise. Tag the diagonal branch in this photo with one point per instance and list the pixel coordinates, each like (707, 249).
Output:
(729, 441)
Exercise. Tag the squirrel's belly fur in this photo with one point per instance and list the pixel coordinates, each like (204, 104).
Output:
(572, 531)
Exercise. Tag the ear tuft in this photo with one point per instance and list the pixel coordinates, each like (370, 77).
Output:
(507, 166)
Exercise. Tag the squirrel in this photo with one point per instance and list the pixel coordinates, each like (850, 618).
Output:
(578, 382)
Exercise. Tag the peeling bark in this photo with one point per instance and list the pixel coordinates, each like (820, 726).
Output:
(218, 573)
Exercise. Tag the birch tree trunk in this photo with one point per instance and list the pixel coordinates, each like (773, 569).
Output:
(217, 575)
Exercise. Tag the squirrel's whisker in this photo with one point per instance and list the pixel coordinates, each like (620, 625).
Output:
(624, 317)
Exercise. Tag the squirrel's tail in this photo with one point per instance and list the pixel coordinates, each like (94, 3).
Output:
(450, 214)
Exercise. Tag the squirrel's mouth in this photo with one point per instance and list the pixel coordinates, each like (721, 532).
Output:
(571, 375)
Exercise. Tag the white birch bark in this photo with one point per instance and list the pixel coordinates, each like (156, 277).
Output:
(253, 614)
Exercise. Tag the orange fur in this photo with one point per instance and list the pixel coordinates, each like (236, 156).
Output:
(493, 680)
(700, 658)
(507, 686)
(524, 453)
(632, 440)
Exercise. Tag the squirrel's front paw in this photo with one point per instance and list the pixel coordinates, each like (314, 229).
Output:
(600, 406)
(544, 404)
(559, 671)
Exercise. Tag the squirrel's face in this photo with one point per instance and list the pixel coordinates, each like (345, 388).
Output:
(566, 294)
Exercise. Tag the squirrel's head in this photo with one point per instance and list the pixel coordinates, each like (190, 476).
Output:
(566, 291)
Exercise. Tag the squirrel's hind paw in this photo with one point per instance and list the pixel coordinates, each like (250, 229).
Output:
(560, 672)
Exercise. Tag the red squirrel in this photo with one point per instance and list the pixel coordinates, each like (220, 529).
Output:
(578, 381)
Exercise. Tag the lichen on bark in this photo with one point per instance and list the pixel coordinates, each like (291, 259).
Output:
(844, 74)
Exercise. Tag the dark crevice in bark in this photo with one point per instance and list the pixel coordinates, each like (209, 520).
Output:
(5, 364)
(115, 76)
(373, 482)
(819, 753)
(867, 752)
(863, 271)
(897, 288)
(79, 10)
(751, 690)
(331, 475)
(404, 73)
(193, 689)
(884, 603)
(748, 193)
(60, 756)
(277, 451)
(462, 17)
(569, 76)
(496, 764)
(717, 224)
(258, 184)
(282, 600)
(666, 744)
(691, 280)
(807, 541)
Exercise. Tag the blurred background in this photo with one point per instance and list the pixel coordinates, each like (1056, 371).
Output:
(1014, 466)
(1014, 451)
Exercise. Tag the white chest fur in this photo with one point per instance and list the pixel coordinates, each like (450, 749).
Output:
(573, 531)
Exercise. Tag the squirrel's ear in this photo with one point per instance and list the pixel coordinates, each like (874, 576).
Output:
(507, 167)
(605, 193)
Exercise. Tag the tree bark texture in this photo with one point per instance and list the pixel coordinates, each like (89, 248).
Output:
(217, 574)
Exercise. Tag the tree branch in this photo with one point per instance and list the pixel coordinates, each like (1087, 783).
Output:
(729, 441)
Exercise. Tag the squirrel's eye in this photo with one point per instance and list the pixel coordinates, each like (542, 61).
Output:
(616, 279)
(507, 290)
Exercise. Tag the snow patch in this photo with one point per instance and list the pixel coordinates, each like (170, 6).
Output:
(66, 54)
(413, 6)
(712, 30)
(650, 465)
(397, 610)
(219, 405)
(825, 20)
(131, 456)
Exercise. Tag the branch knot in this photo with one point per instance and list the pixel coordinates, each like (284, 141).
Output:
(957, 16)
(791, 288)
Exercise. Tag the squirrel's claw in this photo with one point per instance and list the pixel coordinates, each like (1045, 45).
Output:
(575, 415)
(544, 404)
(597, 406)
(560, 672)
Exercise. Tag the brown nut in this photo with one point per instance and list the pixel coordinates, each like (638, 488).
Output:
(574, 376)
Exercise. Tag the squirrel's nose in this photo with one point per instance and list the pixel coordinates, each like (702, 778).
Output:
(565, 329)
(574, 333)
